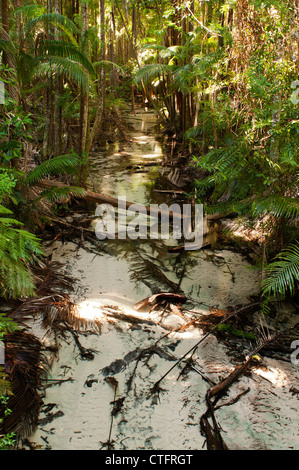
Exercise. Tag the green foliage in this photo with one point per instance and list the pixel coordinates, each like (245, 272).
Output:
(283, 273)
(56, 165)
(55, 19)
(7, 325)
(18, 249)
(235, 332)
(61, 195)
(7, 441)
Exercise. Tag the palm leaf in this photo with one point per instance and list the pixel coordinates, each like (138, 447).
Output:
(53, 18)
(67, 50)
(26, 368)
(28, 11)
(65, 67)
(150, 71)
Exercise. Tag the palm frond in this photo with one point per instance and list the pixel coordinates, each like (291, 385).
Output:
(150, 71)
(100, 63)
(29, 11)
(26, 368)
(67, 50)
(63, 66)
(52, 18)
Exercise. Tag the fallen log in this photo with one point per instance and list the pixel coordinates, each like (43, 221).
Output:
(168, 191)
(192, 247)
(114, 202)
(220, 215)
(117, 315)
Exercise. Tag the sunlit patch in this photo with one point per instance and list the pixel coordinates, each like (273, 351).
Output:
(100, 309)
(274, 375)
(90, 310)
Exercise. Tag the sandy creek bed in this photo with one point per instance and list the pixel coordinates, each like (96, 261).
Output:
(77, 414)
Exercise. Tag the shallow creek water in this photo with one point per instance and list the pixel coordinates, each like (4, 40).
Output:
(79, 413)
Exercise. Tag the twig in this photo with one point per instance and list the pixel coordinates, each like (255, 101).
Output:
(192, 350)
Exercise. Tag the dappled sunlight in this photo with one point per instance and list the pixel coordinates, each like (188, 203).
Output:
(107, 308)
(89, 309)
(275, 375)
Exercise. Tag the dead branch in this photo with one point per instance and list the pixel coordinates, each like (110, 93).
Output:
(158, 298)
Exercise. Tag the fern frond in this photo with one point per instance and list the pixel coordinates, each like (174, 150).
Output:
(282, 274)
(56, 165)
(17, 247)
(15, 279)
(278, 206)
(62, 194)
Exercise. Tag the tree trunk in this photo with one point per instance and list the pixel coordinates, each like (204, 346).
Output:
(7, 58)
(84, 102)
(58, 84)
(101, 98)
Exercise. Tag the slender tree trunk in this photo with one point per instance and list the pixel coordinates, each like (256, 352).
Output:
(7, 58)
(84, 102)
(58, 93)
(101, 98)
(48, 139)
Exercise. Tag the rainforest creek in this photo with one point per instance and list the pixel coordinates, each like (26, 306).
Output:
(133, 342)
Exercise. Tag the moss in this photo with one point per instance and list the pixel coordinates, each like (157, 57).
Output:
(235, 332)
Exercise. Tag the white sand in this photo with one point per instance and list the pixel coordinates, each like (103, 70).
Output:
(265, 418)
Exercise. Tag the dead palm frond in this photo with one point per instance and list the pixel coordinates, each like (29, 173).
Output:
(25, 370)
(52, 303)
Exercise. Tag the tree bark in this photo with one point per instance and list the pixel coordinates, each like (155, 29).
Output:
(84, 102)
(102, 89)
(8, 59)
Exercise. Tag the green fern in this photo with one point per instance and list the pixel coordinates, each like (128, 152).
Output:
(60, 195)
(278, 206)
(283, 273)
(17, 248)
(56, 165)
